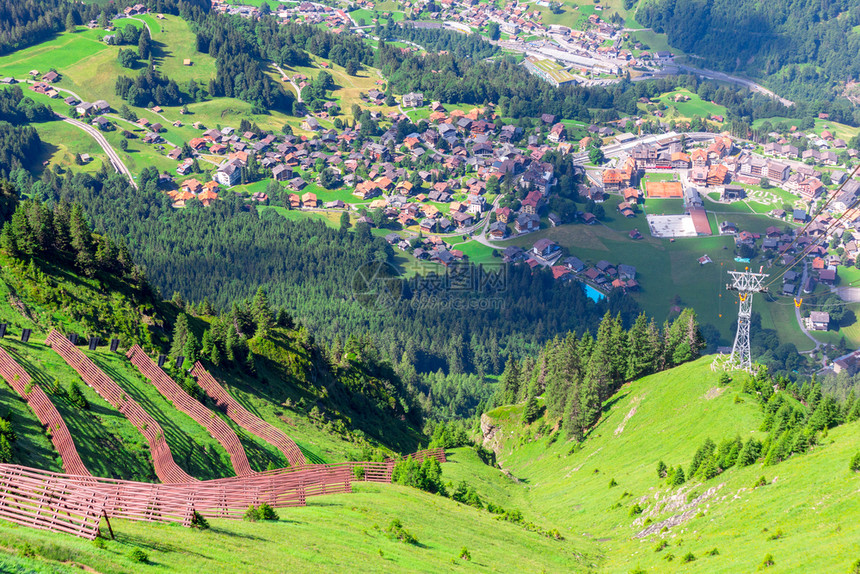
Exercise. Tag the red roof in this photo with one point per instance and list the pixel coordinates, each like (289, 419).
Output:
(559, 271)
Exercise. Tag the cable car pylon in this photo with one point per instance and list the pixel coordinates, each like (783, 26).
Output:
(746, 283)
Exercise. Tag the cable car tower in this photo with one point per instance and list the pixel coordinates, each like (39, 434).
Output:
(746, 283)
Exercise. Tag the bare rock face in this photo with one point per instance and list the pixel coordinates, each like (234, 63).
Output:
(492, 434)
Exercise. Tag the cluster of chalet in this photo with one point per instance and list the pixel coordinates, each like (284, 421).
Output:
(596, 47)
(192, 188)
(718, 164)
(602, 275)
(821, 266)
(433, 249)
(513, 18)
(332, 18)
(705, 164)
(473, 140)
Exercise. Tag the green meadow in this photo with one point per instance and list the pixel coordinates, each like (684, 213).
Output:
(666, 417)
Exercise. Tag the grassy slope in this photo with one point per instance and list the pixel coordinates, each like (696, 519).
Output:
(103, 429)
(192, 446)
(808, 497)
(96, 431)
(332, 534)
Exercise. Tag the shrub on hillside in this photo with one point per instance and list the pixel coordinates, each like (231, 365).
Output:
(854, 465)
(76, 396)
(198, 521)
(138, 555)
(396, 531)
(767, 562)
(262, 512)
(252, 514)
(426, 476)
(467, 495)
(688, 557)
(267, 512)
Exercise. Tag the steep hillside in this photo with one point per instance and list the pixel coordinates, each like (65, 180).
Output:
(338, 533)
(590, 491)
(334, 407)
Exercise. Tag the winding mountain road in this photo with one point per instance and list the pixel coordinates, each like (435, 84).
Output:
(113, 156)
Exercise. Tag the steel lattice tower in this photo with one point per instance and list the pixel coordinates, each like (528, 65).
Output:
(745, 283)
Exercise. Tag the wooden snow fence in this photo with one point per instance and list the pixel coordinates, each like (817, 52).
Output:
(219, 429)
(45, 411)
(46, 501)
(162, 459)
(245, 419)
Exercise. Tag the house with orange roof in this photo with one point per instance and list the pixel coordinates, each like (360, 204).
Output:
(405, 186)
(680, 160)
(385, 184)
(242, 156)
(631, 194)
(699, 157)
(309, 200)
(366, 190)
(198, 143)
(191, 185)
(717, 174)
(207, 196)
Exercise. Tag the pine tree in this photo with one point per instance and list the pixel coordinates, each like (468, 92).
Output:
(206, 308)
(82, 240)
(7, 242)
(206, 343)
(20, 229)
(678, 477)
(590, 392)
(509, 383)
(215, 355)
(144, 47)
(190, 349)
(71, 26)
(262, 312)
(62, 237)
(854, 413)
(599, 370)
(655, 342)
(250, 364)
(561, 374)
(532, 411)
(640, 353)
(181, 334)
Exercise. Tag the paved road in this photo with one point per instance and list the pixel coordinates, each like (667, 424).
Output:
(289, 79)
(818, 343)
(100, 139)
(713, 75)
(148, 29)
